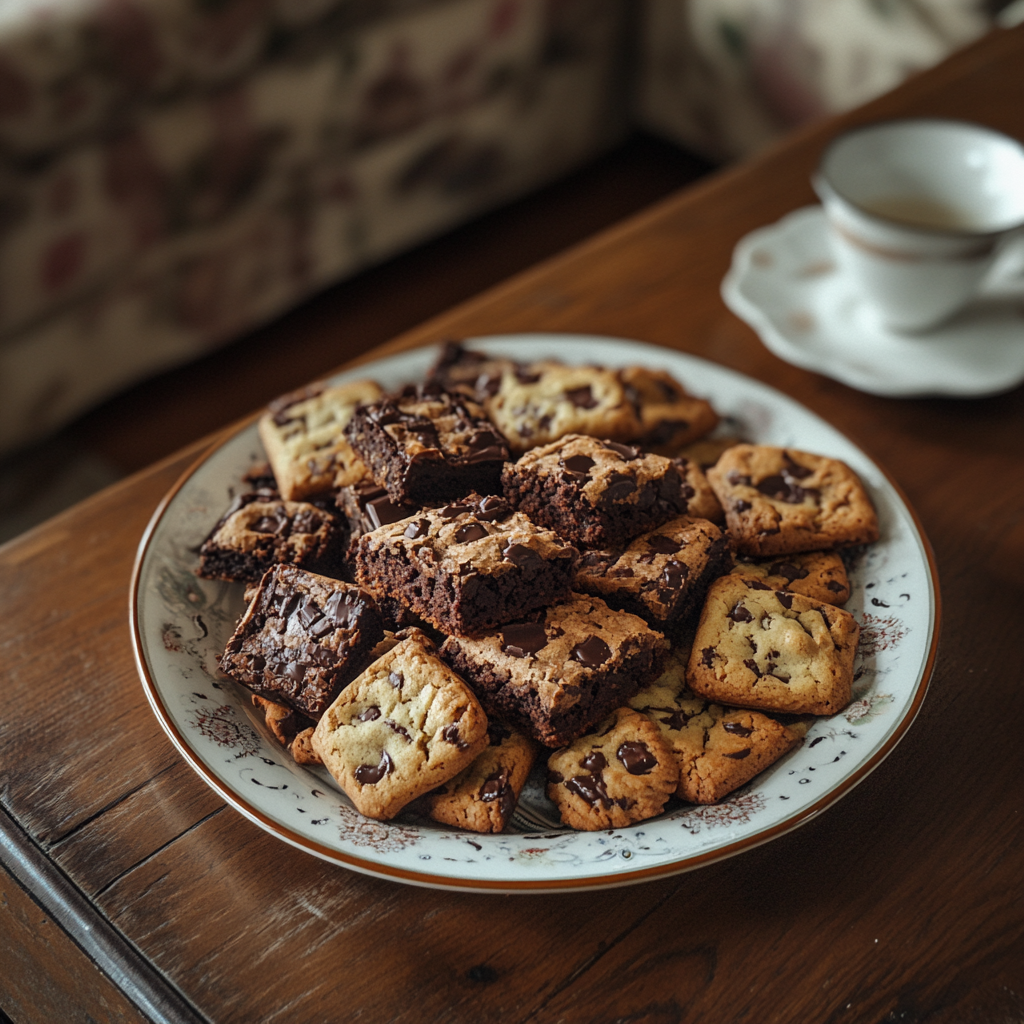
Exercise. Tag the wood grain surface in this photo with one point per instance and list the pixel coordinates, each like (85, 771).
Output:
(903, 903)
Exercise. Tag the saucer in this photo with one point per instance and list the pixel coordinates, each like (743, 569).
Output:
(785, 284)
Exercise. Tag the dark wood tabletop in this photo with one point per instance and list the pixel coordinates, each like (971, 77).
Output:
(128, 889)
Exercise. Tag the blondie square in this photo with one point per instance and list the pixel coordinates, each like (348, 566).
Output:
(303, 434)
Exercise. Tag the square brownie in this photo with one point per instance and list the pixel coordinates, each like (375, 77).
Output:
(466, 567)
(779, 501)
(302, 638)
(559, 674)
(303, 434)
(772, 649)
(260, 529)
(367, 506)
(662, 576)
(596, 494)
(426, 446)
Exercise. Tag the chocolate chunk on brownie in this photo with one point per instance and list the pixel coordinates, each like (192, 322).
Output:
(367, 507)
(717, 749)
(405, 726)
(258, 531)
(596, 494)
(661, 576)
(540, 402)
(302, 638)
(468, 566)
(819, 575)
(668, 416)
(772, 649)
(303, 434)
(556, 675)
(428, 446)
(779, 501)
(483, 796)
(621, 773)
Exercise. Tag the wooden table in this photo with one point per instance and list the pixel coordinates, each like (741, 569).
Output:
(129, 888)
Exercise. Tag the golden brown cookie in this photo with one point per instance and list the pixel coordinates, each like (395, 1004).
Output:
(482, 797)
(761, 648)
(402, 728)
(819, 575)
(780, 501)
(717, 749)
(621, 773)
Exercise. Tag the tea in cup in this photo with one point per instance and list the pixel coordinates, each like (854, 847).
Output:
(919, 211)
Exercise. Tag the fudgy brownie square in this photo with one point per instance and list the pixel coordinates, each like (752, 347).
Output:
(302, 638)
(466, 567)
(819, 575)
(303, 434)
(428, 446)
(557, 676)
(779, 501)
(260, 529)
(596, 494)
(662, 576)
(772, 649)
(406, 725)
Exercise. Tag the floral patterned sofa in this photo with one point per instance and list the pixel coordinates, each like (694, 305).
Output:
(174, 172)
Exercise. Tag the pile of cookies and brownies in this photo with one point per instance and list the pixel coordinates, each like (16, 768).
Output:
(517, 560)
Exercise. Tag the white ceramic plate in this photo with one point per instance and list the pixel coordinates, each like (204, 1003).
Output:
(784, 283)
(180, 624)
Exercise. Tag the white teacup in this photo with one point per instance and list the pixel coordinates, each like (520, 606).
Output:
(920, 209)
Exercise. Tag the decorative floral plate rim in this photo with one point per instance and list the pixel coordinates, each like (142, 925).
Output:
(180, 622)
